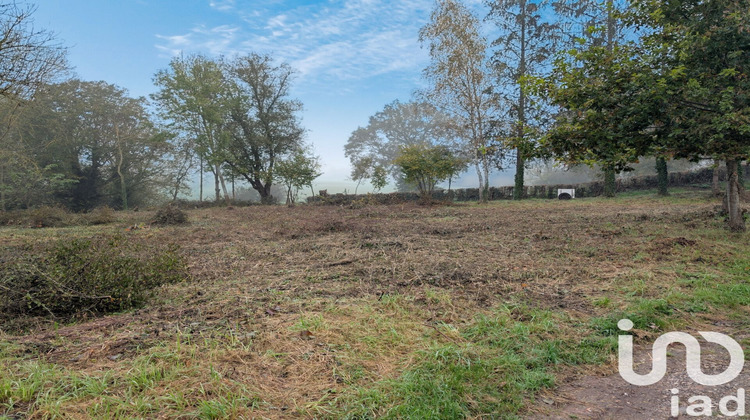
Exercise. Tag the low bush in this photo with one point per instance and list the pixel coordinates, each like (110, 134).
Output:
(47, 216)
(99, 275)
(170, 215)
(39, 217)
(101, 216)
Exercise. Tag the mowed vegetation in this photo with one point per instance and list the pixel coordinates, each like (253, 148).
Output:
(398, 311)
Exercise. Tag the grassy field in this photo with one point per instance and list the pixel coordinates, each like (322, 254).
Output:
(386, 311)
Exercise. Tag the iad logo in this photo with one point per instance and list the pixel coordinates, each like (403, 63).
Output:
(692, 357)
(700, 405)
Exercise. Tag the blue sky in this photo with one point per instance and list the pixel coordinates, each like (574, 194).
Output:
(352, 57)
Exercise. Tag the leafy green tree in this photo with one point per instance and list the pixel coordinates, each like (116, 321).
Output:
(194, 96)
(116, 145)
(526, 44)
(297, 171)
(379, 178)
(461, 83)
(610, 113)
(595, 24)
(364, 168)
(265, 125)
(426, 165)
(703, 49)
(89, 144)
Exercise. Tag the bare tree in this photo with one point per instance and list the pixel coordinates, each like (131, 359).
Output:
(460, 73)
(29, 57)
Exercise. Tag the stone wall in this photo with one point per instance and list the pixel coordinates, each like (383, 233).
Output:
(589, 189)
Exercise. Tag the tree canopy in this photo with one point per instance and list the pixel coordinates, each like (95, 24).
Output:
(297, 171)
(706, 49)
(192, 95)
(238, 111)
(680, 90)
(425, 165)
(372, 149)
(88, 143)
(265, 125)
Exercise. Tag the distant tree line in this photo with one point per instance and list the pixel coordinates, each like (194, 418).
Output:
(82, 144)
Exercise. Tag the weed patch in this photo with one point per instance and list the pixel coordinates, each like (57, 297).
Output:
(498, 364)
(170, 215)
(99, 275)
(101, 216)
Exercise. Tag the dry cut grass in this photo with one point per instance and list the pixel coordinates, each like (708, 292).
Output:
(333, 312)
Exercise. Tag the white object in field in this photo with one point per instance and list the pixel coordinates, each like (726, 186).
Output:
(566, 193)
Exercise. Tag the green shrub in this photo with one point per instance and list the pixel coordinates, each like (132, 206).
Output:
(99, 275)
(170, 215)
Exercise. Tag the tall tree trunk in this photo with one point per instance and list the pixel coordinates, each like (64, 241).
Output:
(518, 190)
(481, 181)
(123, 190)
(2, 188)
(200, 196)
(486, 187)
(265, 194)
(220, 182)
(662, 175)
(486, 179)
(610, 185)
(736, 221)
(217, 185)
(740, 176)
(715, 181)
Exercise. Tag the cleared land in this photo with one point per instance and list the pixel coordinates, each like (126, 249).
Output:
(400, 311)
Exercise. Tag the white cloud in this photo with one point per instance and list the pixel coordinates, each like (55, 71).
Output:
(338, 39)
(218, 40)
(222, 5)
